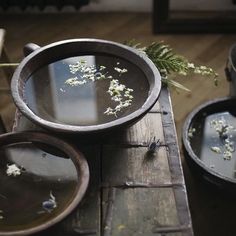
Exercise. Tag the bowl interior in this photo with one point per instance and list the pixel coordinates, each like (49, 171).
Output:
(85, 83)
(40, 182)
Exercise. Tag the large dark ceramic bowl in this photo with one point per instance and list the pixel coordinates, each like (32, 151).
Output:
(209, 142)
(42, 180)
(41, 91)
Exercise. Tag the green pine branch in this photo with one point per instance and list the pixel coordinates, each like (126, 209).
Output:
(168, 62)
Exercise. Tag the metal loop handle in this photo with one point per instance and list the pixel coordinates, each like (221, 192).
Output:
(29, 48)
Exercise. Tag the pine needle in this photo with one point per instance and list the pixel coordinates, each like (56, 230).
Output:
(175, 84)
(8, 64)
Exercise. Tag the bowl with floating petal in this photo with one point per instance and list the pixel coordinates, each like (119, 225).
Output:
(85, 85)
(42, 180)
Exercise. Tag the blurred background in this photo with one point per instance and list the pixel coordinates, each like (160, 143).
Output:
(200, 30)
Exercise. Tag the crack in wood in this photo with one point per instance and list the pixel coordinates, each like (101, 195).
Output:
(84, 231)
(171, 229)
(131, 184)
(109, 210)
(159, 111)
(136, 145)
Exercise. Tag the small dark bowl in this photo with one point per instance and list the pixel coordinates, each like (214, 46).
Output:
(69, 48)
(203, 140)
(38, 176)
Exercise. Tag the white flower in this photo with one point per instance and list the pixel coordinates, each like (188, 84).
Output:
(108, 111)
(191, 65)
(191, 132)
(119, 70)
(102, 68)
(182, 72)
(13, 170)
(229, 146)
(216, 150)
(120, 87)
(197, 71)
(227, 155)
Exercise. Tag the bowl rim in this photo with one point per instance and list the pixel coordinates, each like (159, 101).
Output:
(76, 156)
(153, 95)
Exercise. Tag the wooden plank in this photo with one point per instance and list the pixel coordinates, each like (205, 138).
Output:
(136, 181)
(138, 211)
(132, 166)
(86, 220)
(146, 129)
(141, 133)
(156, 108)
(175, 162)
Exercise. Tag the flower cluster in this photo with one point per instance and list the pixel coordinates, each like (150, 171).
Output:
(202, 70)
(75, 81)
(13, 169)
(121, 94)
(86, 73)
(120, 71)
(191, 132)
(223, 129)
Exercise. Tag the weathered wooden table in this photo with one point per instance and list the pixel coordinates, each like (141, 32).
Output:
(131, 192)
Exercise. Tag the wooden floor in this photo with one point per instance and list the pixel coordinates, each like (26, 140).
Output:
(212, 214)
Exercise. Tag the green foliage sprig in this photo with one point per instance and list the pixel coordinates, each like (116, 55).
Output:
(168, 63)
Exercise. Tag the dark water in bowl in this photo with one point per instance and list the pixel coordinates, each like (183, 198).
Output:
(42, 173)
(48, 96)
(206, 143)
